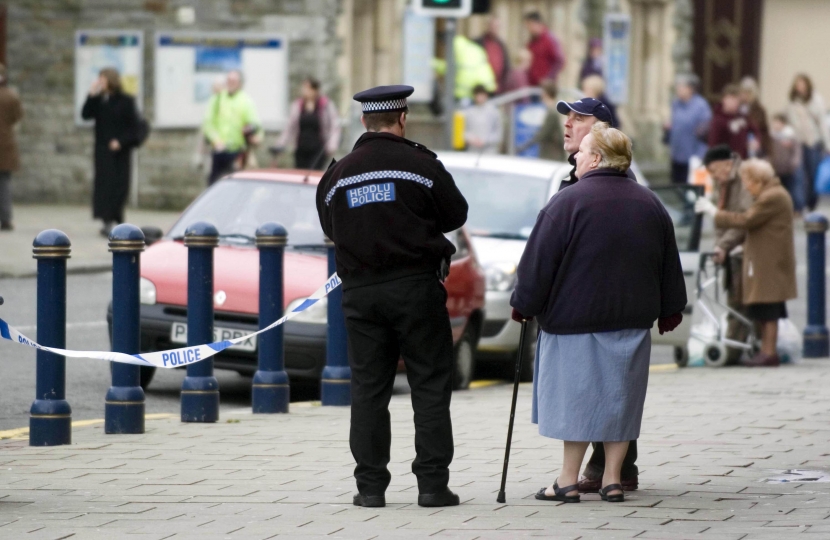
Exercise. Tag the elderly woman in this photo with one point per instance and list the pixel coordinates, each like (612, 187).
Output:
(769, 252)
(601, 265)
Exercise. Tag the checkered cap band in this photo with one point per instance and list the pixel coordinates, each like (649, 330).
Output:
(384, 106)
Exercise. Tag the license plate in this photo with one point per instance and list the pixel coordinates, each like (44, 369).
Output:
(178, 334)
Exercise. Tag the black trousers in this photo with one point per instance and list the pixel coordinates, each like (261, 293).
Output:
(679, 172)
(402, 318)
(221, 164)
(596, 465)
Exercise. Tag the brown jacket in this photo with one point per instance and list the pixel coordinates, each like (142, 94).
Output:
(732, 198)
(769, 251)
(11, 112)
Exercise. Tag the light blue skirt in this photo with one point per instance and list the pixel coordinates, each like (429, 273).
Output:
(591, 387)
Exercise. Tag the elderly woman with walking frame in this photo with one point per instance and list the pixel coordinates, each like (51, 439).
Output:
(769, 253)
(600, 266)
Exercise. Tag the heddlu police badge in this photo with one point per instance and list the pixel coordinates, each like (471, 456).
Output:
(371, 194)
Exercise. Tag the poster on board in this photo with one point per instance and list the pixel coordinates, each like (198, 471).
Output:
(99, 49)
(617, 44)
(190, 66)
(418, 53)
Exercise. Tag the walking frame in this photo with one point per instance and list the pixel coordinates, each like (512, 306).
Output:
(718, 313)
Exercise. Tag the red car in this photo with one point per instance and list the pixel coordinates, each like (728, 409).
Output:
(237, 205)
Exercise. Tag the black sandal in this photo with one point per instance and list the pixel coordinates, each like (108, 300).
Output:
(612, 498)
(560, 494)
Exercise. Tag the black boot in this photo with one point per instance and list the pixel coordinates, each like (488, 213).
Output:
(442, 498)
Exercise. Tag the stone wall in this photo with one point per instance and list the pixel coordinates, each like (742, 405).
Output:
(57, 156)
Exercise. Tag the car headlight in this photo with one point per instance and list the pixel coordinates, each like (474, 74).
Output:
(146, 292)
(317, 313)
(500, 277)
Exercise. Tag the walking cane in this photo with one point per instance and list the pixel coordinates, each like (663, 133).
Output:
(516, 379)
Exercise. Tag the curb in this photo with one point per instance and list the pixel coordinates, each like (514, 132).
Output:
(82, 269)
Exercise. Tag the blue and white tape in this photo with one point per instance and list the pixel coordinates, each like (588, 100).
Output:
(173, 357)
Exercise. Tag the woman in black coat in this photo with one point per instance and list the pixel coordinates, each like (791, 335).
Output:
(116, 119)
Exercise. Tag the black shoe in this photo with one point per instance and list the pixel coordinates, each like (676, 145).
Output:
(443, 498)
(369, 501)
(6, 226)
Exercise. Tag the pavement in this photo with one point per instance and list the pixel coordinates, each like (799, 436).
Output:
(89, 248)
(710, 438)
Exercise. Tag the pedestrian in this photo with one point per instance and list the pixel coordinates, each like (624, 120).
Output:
(517, 78)
(786, 157)
(592, 65)
(732, 127)
(548, 58)
(386, 207)
(483, 127)
(11, 113)
(769, 253)
(751, 108)
(582, 115)
(116, 134)
(729, 194)
(689, 128)
(472, 68)
(806, 113)
(593, 86)
(313, 129)
(497, 53)
(594, 345)
(551, 135)
(230, 118)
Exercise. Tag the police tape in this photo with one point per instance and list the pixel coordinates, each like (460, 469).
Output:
(174, 357)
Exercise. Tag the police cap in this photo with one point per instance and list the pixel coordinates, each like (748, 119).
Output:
(382, 99)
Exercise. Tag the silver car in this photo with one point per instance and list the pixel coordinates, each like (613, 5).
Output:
(505, 194)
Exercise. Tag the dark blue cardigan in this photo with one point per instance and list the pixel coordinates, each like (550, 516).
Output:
(602, 257)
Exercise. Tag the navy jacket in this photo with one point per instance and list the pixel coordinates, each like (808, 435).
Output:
(386, 207)
(602, 257)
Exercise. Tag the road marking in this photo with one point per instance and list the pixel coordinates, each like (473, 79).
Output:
(485, 384)
(659, 368)
(69, 326)
(23, 433)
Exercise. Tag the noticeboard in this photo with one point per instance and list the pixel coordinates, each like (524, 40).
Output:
(99, 49)
(527, 119)
(188, 66)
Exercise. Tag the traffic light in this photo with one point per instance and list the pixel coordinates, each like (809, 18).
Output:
(443, 8)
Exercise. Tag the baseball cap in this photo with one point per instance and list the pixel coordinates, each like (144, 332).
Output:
(587, 107)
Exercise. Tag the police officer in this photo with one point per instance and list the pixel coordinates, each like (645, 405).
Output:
(386, 206)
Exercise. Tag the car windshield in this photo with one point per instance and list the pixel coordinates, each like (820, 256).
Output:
(238, 207)
(502, 205)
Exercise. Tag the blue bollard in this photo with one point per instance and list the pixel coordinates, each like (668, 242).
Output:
(335, 382)
(50, 423)
(124, 404)
(200, 389)
(270, 392)
(816, 343)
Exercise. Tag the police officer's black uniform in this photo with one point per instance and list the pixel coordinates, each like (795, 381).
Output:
(386, 206)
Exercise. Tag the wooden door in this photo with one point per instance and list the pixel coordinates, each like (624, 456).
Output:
(727, 42)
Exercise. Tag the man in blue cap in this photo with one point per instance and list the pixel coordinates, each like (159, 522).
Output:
(582, 115)
(386, 207)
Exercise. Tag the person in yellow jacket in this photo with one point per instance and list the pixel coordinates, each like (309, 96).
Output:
(472, 68)
(231, 124)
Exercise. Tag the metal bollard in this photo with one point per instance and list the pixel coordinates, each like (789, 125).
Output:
(270, 392)
(816, 343)
(335, 382)
(200, 389)
(124, 404)
(50, 423)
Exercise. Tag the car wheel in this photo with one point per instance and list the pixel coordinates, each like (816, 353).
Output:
(529, 352)
(146, 375)
(464, 363)
(681, 356)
